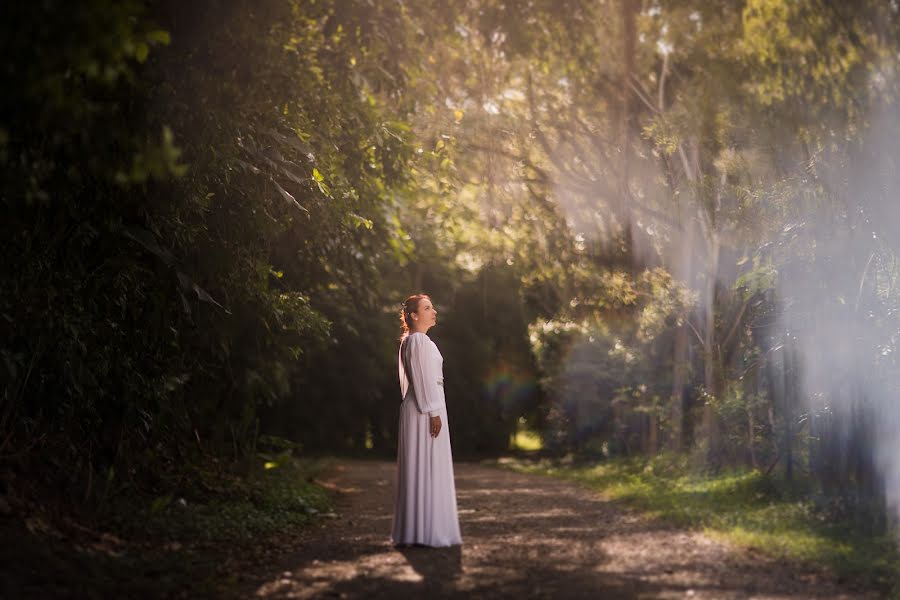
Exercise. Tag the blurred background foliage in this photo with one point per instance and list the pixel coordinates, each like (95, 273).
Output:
(653, 226)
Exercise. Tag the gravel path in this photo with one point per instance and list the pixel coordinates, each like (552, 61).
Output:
(525, 536)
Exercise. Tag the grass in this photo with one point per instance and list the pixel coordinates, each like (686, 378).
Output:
(745, 508)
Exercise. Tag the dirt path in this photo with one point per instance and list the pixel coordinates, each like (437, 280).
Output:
(525, 536)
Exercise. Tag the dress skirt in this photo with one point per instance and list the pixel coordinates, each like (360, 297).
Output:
(425, 510)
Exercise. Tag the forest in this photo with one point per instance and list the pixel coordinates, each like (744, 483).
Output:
(650, 227)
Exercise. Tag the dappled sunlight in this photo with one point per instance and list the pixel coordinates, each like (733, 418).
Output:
(320, 577)
(523, 535)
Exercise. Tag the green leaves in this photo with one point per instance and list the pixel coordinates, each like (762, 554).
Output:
(320, 182)
(361, 221)
(141, 51)
(159, 161)
(159, 36)
(141, 47)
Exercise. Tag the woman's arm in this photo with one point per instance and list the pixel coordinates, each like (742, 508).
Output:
(425, 372)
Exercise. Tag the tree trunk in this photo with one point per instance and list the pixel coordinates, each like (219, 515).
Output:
(679, 380)
(682, 270)
(787, 371)
(711, 373)
(629, 32)
(751, 425)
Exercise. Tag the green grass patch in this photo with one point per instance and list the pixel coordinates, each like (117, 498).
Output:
(745, 508)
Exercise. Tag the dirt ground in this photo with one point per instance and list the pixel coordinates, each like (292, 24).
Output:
(524, 536)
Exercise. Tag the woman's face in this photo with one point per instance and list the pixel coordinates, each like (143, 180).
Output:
(426, 315)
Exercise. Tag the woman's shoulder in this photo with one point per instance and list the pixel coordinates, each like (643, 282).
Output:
(419, 339)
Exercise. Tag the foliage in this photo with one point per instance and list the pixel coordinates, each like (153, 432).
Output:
(599, 354)
(230, 508)
(186, 240)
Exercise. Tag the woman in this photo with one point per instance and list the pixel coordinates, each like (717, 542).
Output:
(425, 510)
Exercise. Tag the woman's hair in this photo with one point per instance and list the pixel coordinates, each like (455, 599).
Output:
(410, 305)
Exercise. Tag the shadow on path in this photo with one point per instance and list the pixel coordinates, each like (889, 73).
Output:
(524, 536)
(438, 565)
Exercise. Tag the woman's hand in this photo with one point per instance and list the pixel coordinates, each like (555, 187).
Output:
(435, 425)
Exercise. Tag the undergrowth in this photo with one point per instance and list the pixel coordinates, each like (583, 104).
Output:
(227, 526)
(232, 507)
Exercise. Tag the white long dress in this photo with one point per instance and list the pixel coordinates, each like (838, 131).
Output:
(425, 509)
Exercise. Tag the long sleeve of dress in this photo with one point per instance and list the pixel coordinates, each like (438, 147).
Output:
(421, 364)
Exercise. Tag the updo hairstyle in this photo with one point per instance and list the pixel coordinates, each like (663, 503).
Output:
(410, 305)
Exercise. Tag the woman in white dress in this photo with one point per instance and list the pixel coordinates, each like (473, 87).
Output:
(425, 510)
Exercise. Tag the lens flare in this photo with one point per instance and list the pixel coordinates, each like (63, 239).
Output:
(509, 386)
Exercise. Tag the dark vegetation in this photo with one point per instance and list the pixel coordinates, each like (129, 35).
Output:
(647, 227)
